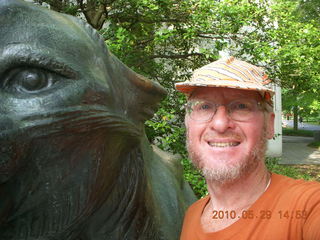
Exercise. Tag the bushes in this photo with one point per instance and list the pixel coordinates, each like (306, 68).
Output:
(194, 178)
(166, 129)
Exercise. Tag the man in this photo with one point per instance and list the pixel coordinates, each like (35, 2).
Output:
(229, 119)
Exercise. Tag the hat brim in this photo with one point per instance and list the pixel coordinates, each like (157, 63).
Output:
(188, 87)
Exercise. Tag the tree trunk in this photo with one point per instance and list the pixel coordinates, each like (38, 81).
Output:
(295, 118)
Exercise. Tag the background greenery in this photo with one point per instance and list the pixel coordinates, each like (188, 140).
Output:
(166, 40)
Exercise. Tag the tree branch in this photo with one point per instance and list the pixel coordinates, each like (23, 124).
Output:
(139, 18)
(233, 37)
(176, 56)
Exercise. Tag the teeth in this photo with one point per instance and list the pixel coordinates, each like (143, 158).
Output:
(223, 144)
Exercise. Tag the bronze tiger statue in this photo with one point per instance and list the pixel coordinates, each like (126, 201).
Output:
(75, 163)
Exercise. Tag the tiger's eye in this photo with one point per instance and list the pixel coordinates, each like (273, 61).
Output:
(29, 80)
(32, 80)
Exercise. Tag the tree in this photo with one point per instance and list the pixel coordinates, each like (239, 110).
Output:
(298, 60)
(309, 10)
(289, 49)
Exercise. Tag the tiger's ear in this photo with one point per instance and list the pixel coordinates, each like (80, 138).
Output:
(141, 95)
(149, 95)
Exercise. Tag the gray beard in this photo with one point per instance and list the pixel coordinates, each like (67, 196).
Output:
(230, 173)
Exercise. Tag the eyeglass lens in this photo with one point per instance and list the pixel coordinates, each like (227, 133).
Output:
(239, 110)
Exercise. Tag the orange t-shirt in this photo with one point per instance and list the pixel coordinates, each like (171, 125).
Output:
(288, 210)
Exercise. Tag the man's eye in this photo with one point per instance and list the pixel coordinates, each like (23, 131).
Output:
(28, 80)
(203, 107)
(241, 106)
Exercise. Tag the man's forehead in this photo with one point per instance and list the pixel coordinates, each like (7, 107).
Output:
(213, 93)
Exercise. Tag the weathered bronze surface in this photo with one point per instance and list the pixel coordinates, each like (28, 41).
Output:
(74, 160)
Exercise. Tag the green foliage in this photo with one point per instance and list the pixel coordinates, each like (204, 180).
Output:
(309, 10)
(194, 178)
(297, 60)
(166, 130)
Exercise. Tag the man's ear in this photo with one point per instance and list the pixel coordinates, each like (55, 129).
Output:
(270, 125)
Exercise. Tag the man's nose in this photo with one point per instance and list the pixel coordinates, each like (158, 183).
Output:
(221, 120)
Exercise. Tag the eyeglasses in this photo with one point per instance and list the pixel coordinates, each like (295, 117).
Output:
(239, 110)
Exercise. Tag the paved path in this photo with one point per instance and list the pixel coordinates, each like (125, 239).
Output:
(296, 151)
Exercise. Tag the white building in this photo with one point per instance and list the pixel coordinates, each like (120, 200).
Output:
(275, 145)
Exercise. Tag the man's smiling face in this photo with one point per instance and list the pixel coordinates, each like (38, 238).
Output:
(223, 148)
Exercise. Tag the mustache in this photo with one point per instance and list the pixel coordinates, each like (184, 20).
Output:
(70, 120)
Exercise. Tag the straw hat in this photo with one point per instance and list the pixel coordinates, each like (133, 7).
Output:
(229, 73)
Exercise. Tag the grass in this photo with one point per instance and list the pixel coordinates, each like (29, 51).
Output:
(311, 169)
(299, 132)
(314, 122)
(289, 171)
(314, 145)
(302, 133)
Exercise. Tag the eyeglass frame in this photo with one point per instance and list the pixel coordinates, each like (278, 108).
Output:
(260, 105)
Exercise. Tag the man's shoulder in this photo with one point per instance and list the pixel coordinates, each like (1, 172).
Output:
(199, 204)
(291, 182)
(296, 187)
